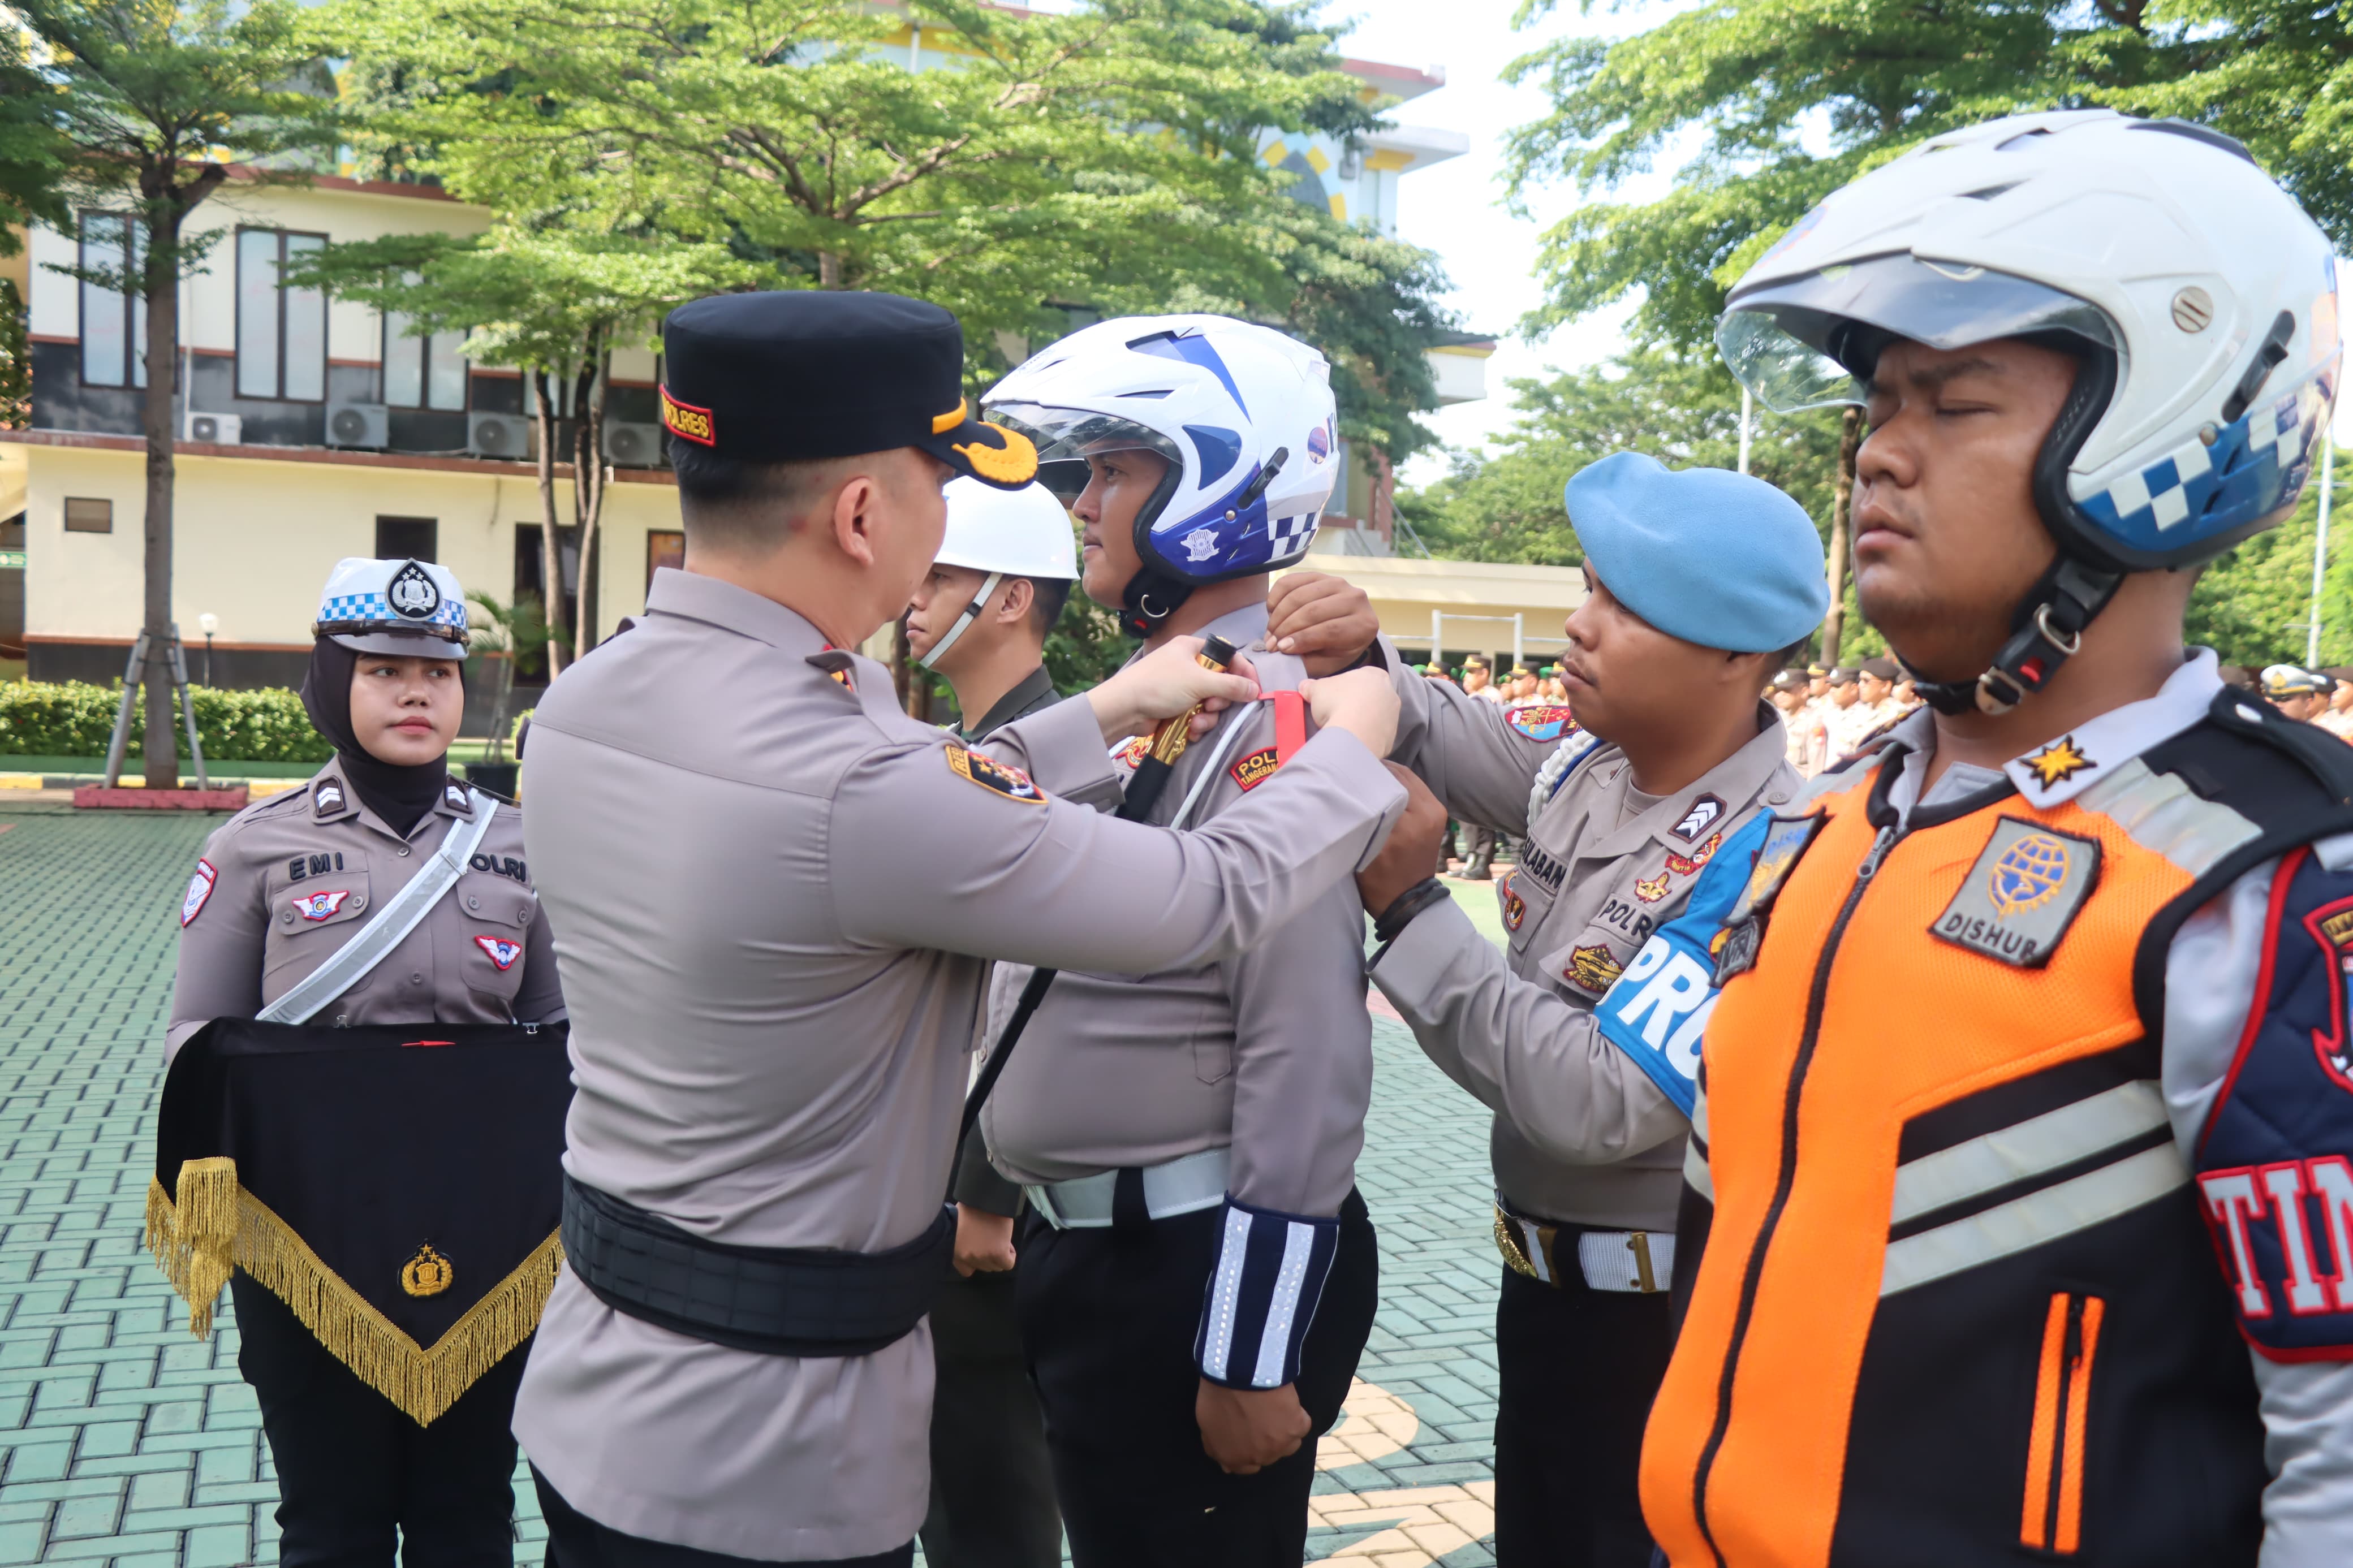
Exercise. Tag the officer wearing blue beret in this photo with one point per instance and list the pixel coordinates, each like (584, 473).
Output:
(1582, 1039)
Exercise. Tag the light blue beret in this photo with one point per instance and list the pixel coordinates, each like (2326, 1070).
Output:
(1719, 559)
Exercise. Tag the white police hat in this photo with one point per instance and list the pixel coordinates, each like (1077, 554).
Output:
(411, 608)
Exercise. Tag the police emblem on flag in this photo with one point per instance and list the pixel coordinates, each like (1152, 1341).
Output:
(2021, 895)
(320, 906)
(502, 952)
(991, 775)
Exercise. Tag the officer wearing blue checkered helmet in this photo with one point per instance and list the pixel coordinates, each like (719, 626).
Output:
(318, 874)
(2021, 1182)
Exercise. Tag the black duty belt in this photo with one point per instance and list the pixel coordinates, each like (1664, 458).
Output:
(772, 1300)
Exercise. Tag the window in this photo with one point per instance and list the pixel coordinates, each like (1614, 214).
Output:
(406, 537)
(113, 320)
(281, 332)
(423, 372)
(664, 547)
(85, 516)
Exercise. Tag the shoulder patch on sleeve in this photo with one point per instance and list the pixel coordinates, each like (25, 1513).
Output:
(1256, 768)
(200, 890)
(990, 774)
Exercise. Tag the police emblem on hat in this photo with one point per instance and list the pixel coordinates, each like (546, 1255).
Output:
(412, 592)
(2021, 894)
(501, 952)
(993, 775)
(320, 906)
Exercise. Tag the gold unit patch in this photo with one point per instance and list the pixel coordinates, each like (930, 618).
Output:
(2021, 894)
(427, 1274)
(1594, 968)
(991, 775)
(1651, 889)
(685, 419)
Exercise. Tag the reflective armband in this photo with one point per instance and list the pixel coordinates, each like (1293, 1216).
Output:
(1263, 1294)
(1657, 1011)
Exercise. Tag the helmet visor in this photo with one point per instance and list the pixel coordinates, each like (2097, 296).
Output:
(1066, 438)
(1797, 344)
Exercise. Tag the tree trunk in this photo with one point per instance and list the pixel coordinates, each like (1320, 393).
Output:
(159, 283)
(589, 484)
(551, 537)
(1842, 506)
(828, 269)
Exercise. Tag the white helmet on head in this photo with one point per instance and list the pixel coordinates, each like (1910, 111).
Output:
(1005, 533)
(1242, 414)
(2200, 301)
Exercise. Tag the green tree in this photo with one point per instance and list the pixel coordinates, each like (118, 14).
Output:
(1787, 99)
(553, 303)
(151, 104)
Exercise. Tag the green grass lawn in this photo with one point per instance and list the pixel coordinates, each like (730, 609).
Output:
(462, 753)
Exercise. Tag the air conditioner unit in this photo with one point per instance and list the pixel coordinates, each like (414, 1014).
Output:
(506, 435)
(220, 429)
(358, 424)
(633, 446)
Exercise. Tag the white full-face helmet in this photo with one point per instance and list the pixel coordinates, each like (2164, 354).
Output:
(2197, 297)
(1242, 414)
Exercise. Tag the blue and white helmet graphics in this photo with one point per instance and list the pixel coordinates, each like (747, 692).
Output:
(2162, 243)
(1242, 414)
(414, 608)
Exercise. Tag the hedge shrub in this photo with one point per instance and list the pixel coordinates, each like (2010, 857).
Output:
(74, 717)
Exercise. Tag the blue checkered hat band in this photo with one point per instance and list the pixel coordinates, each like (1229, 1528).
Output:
(368, 611)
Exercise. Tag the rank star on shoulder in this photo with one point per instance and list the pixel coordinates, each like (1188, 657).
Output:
(2057, 762)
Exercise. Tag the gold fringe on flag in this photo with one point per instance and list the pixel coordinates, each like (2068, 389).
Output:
(215, 1227)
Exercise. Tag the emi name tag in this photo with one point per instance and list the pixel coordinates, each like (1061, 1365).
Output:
(2022, 893)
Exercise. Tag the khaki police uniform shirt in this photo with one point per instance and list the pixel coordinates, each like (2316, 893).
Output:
(1580, 1133)
(287, 881)
(764, 882)
(1268, 1052)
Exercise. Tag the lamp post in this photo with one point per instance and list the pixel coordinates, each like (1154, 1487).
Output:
(209, 623)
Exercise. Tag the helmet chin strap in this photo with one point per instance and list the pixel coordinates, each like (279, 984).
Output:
(972, 613)
(1151, 597)
(2046, 630)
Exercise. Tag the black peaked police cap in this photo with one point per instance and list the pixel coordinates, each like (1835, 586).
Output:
(806, 373)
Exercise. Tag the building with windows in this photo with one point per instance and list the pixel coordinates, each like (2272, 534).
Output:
(311, 429)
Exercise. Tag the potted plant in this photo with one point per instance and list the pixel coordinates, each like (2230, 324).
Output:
(509, 633)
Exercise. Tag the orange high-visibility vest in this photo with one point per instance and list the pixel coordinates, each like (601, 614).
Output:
(1956, 1306)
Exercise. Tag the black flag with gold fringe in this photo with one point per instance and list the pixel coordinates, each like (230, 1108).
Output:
(398, 1186)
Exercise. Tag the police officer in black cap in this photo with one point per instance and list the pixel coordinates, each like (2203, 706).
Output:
(773, 892)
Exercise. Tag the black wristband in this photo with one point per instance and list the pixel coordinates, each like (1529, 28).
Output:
(1390, 923)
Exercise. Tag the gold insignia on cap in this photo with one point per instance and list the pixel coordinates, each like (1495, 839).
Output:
(944, 422)
(427, 1274)
(2060, 761)
(685, 419)
(1013, 463)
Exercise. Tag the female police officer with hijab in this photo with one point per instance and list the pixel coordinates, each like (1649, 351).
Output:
(287, 885)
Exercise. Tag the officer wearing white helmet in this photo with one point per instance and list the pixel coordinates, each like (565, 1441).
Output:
(2297, 692)
(2019, 1215)
(1005, 568)
(1198, 1277)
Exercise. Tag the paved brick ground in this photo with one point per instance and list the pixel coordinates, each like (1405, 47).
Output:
(124, 1441)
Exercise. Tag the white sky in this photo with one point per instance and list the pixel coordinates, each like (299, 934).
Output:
(1455, 208)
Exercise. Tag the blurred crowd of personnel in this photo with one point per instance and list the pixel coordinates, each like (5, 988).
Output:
(2321, 697)
(1518, 687)
(1829, 712)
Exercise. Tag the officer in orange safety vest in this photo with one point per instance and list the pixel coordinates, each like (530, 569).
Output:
(2019, 1209)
